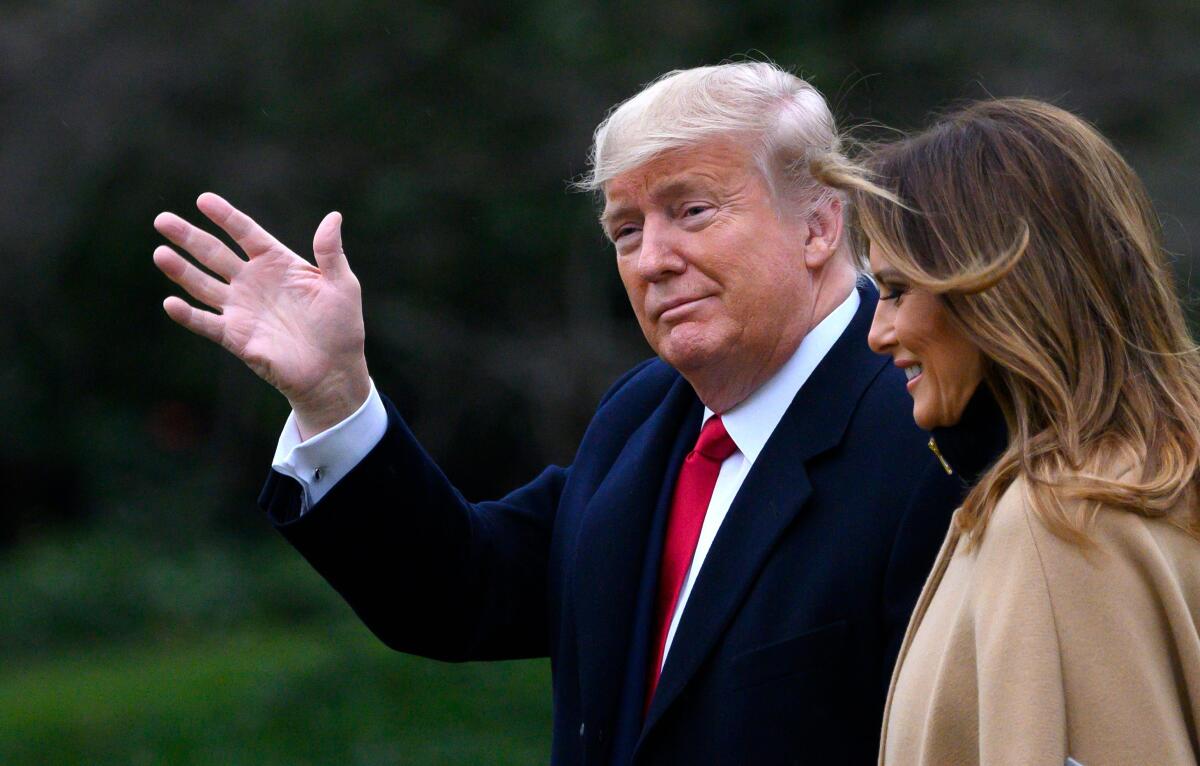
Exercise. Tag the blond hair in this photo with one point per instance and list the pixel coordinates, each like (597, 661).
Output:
(1043, 245)
(782, 119)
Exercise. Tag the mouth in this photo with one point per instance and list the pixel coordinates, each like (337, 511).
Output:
(677, 308)
(912, 374)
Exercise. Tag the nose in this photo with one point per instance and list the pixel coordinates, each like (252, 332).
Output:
(882, 336)
(660, 254)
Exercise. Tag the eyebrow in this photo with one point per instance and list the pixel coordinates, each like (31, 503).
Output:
(669, 187)
(610, 214)
(886, 274)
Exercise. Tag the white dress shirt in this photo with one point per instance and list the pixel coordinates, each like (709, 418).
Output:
(322, 461)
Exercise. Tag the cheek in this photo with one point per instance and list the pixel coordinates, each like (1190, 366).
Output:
(635, 288)
(964, 366)
(763, 285)
(920, 326)
(909, 335)
(953, 363)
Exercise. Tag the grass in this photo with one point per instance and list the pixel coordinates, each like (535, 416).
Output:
(254, 695)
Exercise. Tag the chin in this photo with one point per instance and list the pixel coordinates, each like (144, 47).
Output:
(686, 350)
(925, 420)
(928, 421)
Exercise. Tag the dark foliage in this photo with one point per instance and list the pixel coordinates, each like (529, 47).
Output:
(445, 133)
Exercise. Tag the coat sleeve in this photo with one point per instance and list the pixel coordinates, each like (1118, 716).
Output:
(428, 572)
(1076, 654)
(1021, 708)
(1126, 638)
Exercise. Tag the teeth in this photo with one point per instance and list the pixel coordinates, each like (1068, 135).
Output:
(912, 372)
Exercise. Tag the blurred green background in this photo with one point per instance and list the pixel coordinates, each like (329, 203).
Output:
(150, 615)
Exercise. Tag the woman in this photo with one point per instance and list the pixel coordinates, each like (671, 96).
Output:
(1026, 294)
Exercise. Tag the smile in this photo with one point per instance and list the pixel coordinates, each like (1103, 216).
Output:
(677, 308)
(913, 371)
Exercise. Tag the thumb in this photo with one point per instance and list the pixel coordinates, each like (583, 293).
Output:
(327, 246)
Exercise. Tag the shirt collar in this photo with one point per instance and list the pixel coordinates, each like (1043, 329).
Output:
(752, 422)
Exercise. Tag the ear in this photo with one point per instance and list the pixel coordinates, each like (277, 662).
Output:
(824, 234)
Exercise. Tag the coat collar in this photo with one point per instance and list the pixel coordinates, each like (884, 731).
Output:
(612, 549)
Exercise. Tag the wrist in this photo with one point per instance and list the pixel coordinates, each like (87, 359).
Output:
(335, 399)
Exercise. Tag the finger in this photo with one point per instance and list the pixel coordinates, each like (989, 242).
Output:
(204, 323)
(208, 290)
(203, 246)
(252, 238)
(327, 247)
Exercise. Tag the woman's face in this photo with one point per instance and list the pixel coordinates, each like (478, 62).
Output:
(913, 326)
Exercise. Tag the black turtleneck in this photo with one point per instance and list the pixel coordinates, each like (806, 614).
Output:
(971, 445)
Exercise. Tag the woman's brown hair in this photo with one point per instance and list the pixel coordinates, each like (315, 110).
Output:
(1043, 245)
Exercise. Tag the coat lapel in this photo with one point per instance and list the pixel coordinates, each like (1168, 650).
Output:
(612, 546)
(769, 500)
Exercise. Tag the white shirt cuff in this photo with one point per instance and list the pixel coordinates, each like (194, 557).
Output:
(326, 458)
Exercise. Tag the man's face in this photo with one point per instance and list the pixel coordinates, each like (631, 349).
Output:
(715, 274)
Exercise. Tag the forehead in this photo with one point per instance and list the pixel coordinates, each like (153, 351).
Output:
(713, 162)
(880, 257)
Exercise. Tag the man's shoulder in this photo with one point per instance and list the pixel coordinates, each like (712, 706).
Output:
(886, 396)
(883, 424)
(879, 435)
(651, 394)
(639, 394)
(649, 379)
(857, 389)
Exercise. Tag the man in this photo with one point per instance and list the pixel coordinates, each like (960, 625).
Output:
(728, 594)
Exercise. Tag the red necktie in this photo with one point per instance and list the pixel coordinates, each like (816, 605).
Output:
(693, 491)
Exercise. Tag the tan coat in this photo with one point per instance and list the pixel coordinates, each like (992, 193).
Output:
(1028, 650)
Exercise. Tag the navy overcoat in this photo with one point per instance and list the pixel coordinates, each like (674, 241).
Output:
(787, 642)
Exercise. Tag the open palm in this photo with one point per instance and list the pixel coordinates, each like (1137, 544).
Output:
(298, 326)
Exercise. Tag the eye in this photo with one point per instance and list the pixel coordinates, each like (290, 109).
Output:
(624, 231)
(894, 293)
(695, 212)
